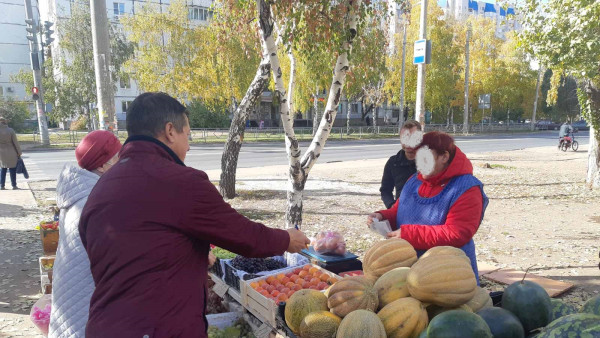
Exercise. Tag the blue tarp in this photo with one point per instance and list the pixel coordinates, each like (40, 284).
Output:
(489, 8)
(502, 12)
(473, 5)
(510, 11)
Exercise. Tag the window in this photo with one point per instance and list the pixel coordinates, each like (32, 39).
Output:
(125, 105)
(118, 8)
(125, 83)
(198, 13)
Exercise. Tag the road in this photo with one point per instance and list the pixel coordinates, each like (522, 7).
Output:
(46, 165)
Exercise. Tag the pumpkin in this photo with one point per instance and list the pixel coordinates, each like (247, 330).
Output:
(405, 317)
(350, 294)
(529, 302)
(388, 254)
(591, 306)
(361, 324)
(458, 324)
(575, 325)
(319, 324)
(392, 286)
(434, 310)
(300, 304)
(502, 323)
(444, 280)
(445, 251)
(560, 309)
(481, 300)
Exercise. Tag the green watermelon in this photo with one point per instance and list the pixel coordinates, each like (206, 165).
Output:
(560, 309)
(580, 325)
(458, 324)
(502, 323)
(423, 334)
(591, 306)
(529, 302)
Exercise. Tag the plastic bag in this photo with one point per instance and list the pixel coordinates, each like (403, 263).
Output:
(329, 242)
(40, 313)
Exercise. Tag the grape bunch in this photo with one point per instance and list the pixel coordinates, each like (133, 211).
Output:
(254, 265)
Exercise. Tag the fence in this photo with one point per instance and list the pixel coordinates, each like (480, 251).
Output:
(303, 134)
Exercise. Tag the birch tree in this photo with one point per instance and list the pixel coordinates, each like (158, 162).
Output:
(300, 165)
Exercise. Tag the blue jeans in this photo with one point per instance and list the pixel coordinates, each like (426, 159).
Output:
(13, 176)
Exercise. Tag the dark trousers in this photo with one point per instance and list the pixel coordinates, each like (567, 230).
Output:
(13, 176)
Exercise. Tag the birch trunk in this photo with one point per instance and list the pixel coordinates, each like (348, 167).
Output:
(348, 110)
(299, 169)
(235, 138)
(316, 111)
(593, 173)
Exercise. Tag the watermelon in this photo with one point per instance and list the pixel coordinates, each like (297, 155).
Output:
(560, 309)
(423, 334)
(591, 306)
(529, 302)
(458, 324)
(502, 323)
(580, 325)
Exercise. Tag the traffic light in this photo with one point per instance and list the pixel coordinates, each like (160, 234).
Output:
(35, 93)
(48, 33)
(30, 29)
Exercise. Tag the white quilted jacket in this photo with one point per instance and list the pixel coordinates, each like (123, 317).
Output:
(72, 284)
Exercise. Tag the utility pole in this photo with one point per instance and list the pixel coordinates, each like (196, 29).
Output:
(537, 93)
(466, 113)
(37, 74)
(420, 100)
(401, 115)
(102, 60)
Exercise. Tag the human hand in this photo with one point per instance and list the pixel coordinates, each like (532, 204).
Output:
(372, 216)
(298, 241)
(394, 234)
(211, 259)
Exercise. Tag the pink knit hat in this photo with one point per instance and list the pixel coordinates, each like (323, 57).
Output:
(96, 149)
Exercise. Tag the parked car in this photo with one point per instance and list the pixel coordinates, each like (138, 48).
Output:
(546, 125)
(581, 125)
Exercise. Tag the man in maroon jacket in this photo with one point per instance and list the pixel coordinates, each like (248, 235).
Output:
(147, 226)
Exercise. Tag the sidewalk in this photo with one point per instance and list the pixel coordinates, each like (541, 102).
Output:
(19, 250)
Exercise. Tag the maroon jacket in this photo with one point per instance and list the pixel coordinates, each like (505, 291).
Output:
(146, 227)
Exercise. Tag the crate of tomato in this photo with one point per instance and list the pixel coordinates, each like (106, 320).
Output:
(49, 237)
(262, 295)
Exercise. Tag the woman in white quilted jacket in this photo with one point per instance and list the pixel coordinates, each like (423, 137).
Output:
(72, 284)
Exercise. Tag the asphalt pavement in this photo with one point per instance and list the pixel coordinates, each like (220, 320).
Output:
(46, 165)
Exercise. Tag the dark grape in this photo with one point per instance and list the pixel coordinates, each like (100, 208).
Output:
(254, 265)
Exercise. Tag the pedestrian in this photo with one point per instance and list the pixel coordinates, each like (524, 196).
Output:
(10, 152)
(401, 166)
(147, 226)
(72, 283)
(443, 205)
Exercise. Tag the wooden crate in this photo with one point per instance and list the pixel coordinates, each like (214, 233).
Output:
(261, 306)
(49, 241)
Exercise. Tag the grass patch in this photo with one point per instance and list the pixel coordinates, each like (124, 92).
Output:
(501, 166)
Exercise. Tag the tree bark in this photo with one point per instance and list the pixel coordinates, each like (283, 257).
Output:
(299, 168)
(316, 111)
(235, 137)
(593, 96)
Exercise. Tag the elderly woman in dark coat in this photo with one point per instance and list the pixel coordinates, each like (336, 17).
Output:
(9, 154)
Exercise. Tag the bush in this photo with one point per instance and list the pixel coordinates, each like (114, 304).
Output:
(80, 124)
(14, 112)
(202, 117)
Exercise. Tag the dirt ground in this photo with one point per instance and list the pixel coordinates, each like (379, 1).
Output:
(540, 214)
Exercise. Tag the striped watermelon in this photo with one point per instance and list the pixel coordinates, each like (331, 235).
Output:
(560, 309)
(591, 306)
(581, 325)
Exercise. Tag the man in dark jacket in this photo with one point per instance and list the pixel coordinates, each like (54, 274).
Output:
(400, 167)
(147, 226)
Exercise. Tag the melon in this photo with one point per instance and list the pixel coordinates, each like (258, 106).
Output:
(319, 324)
(350, 294)
(300, 304)
(529, 302)
(481, 300)
(445, 251)
(502, 323)
(392, 286)
(361, 324)
(405, 317)
(444, 280)
(591, 306)
(458, 324)
(580, 325)
(388, 254)
(560, 309)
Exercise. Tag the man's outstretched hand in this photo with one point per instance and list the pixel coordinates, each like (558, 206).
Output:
(298, 241)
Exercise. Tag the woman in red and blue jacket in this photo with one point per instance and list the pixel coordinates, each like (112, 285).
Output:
(443, 204)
